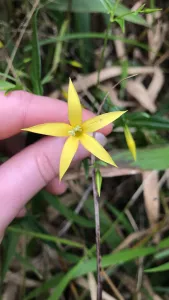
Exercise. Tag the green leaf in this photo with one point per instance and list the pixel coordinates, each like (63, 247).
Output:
(144, 120)
(163, 243)
(89, 35)
(67, 212)
(121, 22)
(149, 10)
(121, 218)
(113, 239)
(5, 85)
(9, 245)
(36, 58)
(17, 87)
(85, 163)
(45, 287)
(95, 6)
(9, 87)
(58, 48)
(86, 266)
(162, 254)
(85, 48)
(147, 158)
(45, 237)
(108, 5)
(162, 268)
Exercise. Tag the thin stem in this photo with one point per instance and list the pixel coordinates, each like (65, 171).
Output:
(97, 229)
(103, 51)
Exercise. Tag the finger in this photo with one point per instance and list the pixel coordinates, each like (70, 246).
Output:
(29, 171)
(20, 109)
(57, 187)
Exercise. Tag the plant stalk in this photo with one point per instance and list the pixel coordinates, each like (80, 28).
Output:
(97, 229)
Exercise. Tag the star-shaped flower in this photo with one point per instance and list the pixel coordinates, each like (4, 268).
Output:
(77, 131)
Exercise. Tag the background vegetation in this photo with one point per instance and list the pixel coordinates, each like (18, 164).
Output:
(50, 253)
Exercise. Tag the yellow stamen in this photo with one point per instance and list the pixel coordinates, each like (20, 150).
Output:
(75, 131)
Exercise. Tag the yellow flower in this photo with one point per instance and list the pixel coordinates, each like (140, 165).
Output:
(78, 131)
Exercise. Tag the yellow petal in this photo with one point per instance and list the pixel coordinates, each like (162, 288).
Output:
(101, 121)
(95, 148)
(68, 152)
(74, 106)
(130, 141)
(52, 129)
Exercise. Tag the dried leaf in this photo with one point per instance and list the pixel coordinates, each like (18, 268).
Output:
(151, 195)
(139, 92)
(156, 84)
(90, 80)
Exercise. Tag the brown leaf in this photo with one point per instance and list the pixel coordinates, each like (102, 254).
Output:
(151, 195)
(139, 92)
(156, 84)
(107, 73)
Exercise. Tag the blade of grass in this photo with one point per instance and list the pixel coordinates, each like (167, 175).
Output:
(67, 212)
(86, 266)
(9, 246)
(58, 49)
(89, 35)
(45, 237)
(161, 268)
(95, 6)
(48, 284)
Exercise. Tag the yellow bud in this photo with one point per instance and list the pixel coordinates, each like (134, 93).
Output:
(75, 64)
(130, 141)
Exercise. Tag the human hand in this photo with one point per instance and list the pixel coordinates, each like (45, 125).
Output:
(36, 166)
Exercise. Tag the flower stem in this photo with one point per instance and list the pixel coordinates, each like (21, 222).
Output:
(97, 229)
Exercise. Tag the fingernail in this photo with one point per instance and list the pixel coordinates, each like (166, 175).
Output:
(101, 138)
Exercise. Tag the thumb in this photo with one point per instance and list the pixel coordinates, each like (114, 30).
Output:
(28, 172)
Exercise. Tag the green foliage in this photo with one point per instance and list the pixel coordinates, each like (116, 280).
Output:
(161, 268)
(86, 266)
(9, 246)
(147, 158)
(66, 212)
(80, 6)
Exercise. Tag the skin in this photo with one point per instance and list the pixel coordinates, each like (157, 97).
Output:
(34, 167)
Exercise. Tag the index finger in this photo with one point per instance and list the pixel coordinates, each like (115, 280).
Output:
(20, 109)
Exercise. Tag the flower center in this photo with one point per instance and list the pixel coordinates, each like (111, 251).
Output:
(76, 131)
